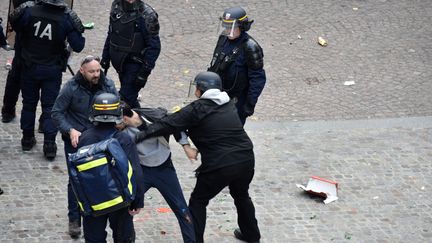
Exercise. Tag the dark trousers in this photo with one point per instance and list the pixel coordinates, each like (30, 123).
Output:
(128, 88)
(12, 88)
(120, 222)
(39, 81)
(164, 178)
(73, 208)
(208, 185)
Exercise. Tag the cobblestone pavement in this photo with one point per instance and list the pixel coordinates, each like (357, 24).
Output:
(376, 142)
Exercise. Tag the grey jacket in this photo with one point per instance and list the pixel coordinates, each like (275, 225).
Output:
(73, 104)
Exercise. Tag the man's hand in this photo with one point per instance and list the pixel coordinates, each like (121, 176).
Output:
(134, 121)
(141, 78)
(133, 212)
(248, 109)
(105, 63)
(74, 137)
(191, 153)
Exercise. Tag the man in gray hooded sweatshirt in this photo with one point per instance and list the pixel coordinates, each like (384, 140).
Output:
(227, 157)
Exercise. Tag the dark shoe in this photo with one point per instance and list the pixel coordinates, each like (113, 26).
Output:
(74, 229)
(50, 150)
(238, 234)
(8, 117)
(27, 143)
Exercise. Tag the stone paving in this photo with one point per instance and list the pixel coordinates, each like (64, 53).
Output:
(374, 137)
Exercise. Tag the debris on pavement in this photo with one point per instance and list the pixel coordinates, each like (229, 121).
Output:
(88, 26)
(321, 187)
(322, 41)
(164, 210)
(349, 83)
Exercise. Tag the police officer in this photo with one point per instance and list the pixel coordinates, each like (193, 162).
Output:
(43, 30)
(238, 59)
(227, 157)
(121, 220)
(132, 46)
(71, 112)
(12, 87)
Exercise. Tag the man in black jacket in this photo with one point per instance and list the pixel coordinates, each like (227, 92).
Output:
(226, 151)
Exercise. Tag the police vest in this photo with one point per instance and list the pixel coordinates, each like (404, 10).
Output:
(42, 40)
(125, 36)
(234, 81)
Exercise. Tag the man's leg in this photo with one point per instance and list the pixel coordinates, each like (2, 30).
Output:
(94, 228)
(167, 183)
(208, 185)
(49, 91)
(128, 89)
(73, 208)
(12, 90)
(245, 209)
(121, 223)
(30, 86)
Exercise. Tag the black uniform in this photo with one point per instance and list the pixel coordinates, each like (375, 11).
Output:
(226, 154)
(132, 45)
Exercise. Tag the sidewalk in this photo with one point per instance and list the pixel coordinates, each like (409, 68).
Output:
(382, 166)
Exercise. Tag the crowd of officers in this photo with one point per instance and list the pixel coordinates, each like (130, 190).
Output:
(47, 31)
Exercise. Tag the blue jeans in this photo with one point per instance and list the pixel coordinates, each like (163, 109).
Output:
(73, 208)
(164, 178)
(45, 80)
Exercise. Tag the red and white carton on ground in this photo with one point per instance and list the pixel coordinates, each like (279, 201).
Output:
(321, 187)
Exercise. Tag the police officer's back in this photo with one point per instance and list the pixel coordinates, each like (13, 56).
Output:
(43, 30)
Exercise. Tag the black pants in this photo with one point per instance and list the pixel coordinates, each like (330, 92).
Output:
(208, 185)
(12, 87)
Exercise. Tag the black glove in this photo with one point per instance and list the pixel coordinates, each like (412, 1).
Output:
(141, 78)
(140, 136)
(248, 108)
(105, 63)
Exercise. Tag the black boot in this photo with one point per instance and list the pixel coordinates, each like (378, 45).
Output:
(27, 143)
(239, 235)
(8, 115)
(50, 150)
(74, 229)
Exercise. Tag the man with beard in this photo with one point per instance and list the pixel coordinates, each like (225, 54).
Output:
(132, 45)
(71, 115)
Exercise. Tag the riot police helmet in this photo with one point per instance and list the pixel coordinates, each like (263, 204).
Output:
(56, 3)
(235, 17)
(207, 80)
(106, 108)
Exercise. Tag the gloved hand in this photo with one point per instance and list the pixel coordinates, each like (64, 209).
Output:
(248, 108)
(141, 78)
(105, 63)
(140, 136)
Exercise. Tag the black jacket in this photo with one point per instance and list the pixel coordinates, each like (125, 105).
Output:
(215, 130)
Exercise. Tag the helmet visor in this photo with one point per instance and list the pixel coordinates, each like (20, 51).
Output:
(229, 26)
